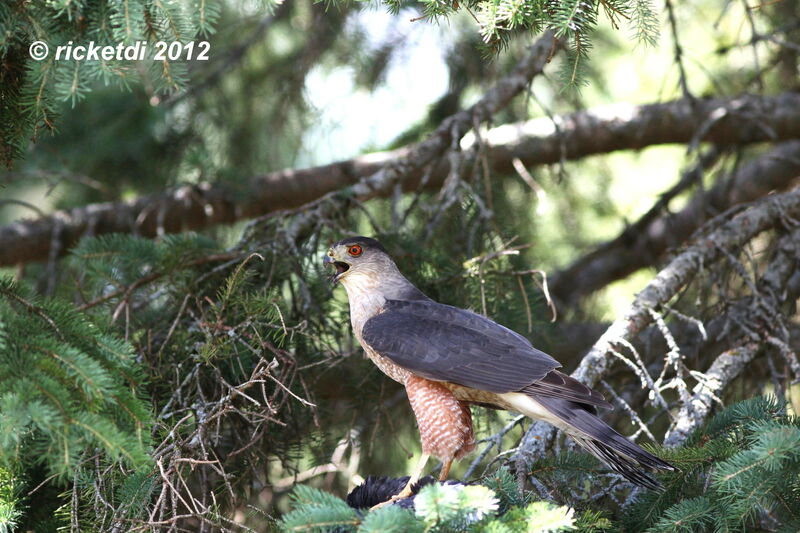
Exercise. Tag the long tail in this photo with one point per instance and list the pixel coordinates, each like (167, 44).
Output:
(599, 439)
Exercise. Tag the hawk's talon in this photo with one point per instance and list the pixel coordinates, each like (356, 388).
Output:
(402, 495)
(408, 490)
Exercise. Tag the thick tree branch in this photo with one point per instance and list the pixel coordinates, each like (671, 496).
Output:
(722, 121)
(707, 248)
(426, 155)
(648, 239)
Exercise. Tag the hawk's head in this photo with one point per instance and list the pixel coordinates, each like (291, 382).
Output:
(359, 257)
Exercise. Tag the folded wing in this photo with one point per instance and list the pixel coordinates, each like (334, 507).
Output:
(444, 343)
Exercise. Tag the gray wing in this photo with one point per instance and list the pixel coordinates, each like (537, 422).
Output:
(444, 343)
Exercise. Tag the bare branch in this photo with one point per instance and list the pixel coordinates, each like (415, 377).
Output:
(773, 290)
(725, 122)
(727, 366)
(707, 248)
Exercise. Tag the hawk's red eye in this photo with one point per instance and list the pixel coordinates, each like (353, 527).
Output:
(355, 250)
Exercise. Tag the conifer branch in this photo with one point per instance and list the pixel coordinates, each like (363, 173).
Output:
(725, 122)
(743, 462)
(5, 290)
(231, 60)
(708, 247)
(144, 280)
(645, 241)
(434, 150)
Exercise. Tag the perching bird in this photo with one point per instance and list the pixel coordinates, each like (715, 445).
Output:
(449, 358)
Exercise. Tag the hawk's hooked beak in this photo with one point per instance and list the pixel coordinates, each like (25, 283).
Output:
(340, 266)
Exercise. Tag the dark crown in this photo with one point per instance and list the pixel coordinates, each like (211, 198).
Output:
(366, 242)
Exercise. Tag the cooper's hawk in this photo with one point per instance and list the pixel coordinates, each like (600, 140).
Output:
(449, 358)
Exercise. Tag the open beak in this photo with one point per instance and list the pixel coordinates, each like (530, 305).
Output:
(339, 266)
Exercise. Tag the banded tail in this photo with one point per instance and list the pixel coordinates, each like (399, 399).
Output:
(598, 438)
(581, 423)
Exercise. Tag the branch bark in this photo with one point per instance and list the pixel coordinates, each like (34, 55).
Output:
(725, 368)
(647, 240)
(726, 239)
(733, 121)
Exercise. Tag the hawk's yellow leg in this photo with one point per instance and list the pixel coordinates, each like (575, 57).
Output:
(406, 492)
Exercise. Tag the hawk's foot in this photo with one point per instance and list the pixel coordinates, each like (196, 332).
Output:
(403, 494)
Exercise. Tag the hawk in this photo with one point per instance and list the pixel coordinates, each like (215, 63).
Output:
(449, 358)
